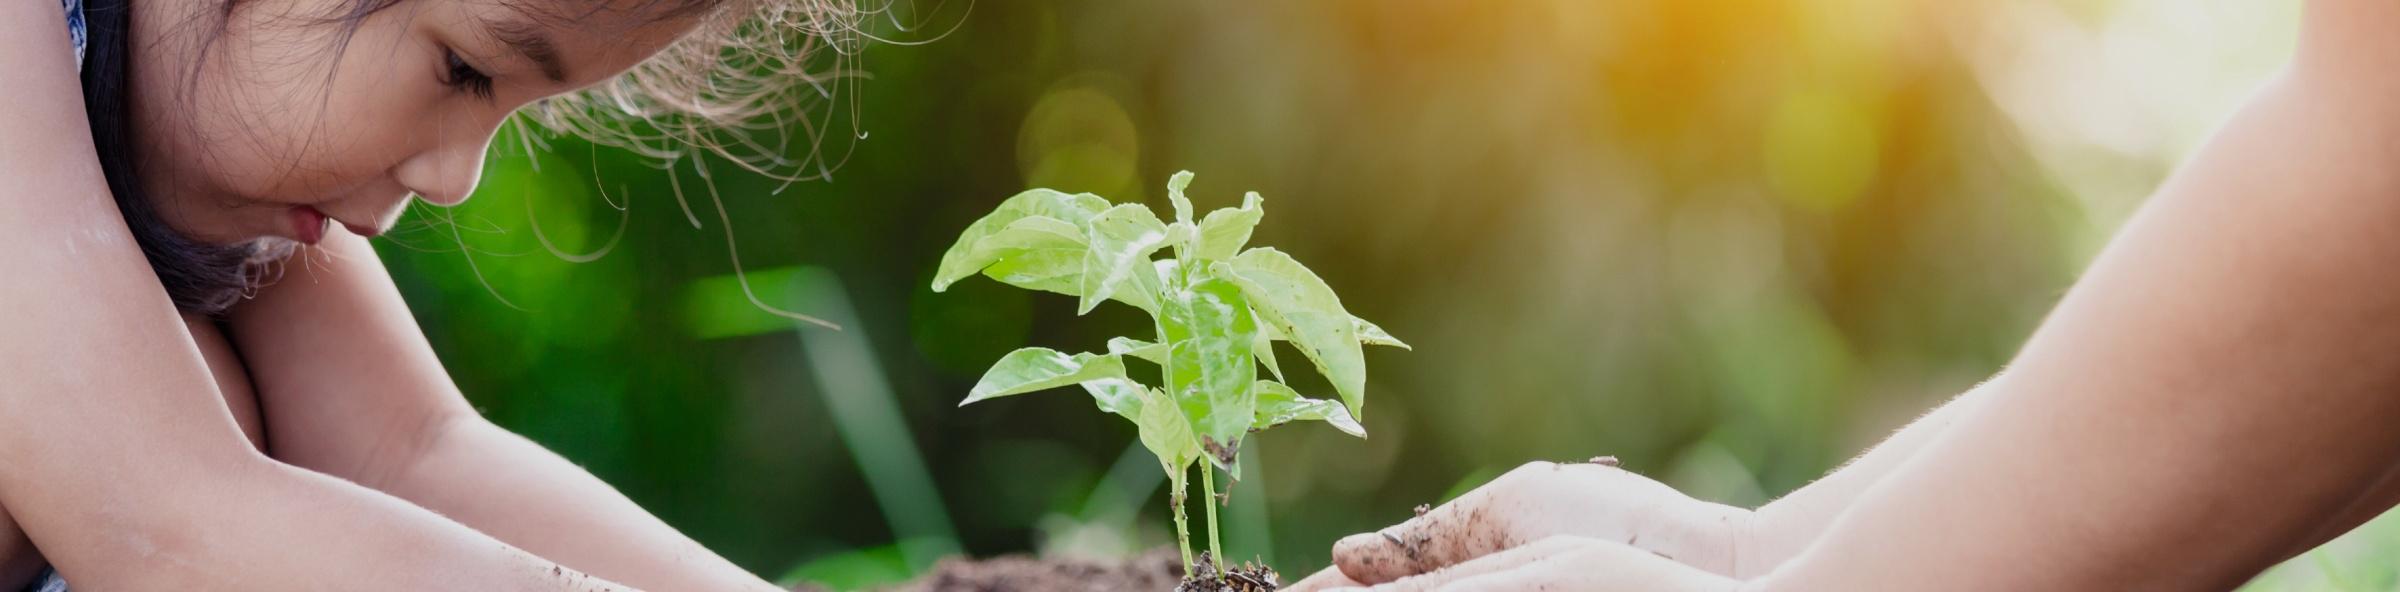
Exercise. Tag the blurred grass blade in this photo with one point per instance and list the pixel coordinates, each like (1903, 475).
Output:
(868, 420)
(1249, 534)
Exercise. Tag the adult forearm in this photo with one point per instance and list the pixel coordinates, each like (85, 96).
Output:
(2214, 391)
(512, 488)
(1780, 529)
(2367, 506)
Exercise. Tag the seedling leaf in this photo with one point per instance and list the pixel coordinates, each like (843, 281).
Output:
(1061, 271)
(1038, 368)
(1300, 305)
(963, 260)
(1370, 334)
(1121, 240)
(1279, 404)
(1127, 346)
(1265, 349)
(1117, 395)
(1164, 430)
(1035, 237)
(1225, 231)
(1209, 334)
(1183, 205)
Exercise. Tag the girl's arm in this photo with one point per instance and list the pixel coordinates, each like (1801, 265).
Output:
(350, 387)
(117, 456)
(2222, 384)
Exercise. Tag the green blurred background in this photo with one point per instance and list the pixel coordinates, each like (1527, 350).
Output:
(1730, 242)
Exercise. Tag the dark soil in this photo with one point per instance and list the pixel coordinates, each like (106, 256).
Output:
(1247, 577)
(1160, 571)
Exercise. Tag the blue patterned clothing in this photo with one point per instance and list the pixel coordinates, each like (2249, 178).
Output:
(75, 27)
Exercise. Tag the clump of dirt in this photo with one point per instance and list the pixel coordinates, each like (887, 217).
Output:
(1207, 576)
(1157, 571)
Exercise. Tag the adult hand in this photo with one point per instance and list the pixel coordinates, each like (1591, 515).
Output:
(1567, 563)
(1329, 579)
(1542, 501)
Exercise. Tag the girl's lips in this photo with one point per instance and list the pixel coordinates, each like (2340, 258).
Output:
(308, 225)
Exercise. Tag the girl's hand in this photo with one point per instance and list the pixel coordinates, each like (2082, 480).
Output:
(1543, 501)
(1567, 563)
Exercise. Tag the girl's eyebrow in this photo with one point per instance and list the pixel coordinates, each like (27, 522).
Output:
(527, 40)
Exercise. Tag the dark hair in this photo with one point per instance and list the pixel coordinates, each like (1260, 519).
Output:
(200, 277)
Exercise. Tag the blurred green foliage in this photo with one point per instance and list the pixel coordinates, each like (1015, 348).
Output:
(1730, 242)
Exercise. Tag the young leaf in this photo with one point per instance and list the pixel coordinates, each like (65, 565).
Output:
(1224, 231)
(1037, 368)
(1370, 334)
(1121, 240)
(1028, 234)
(1209, 334)
(1121, 396)
(1181, 234)
(962, 259)
(1164, 430)
(1127, 346)
(1279, 404)
(1292, 298)
(1265, 349)
(1175, 187)
(1061, 271)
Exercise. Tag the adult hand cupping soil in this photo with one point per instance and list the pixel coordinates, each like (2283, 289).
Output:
(1592, 510)
(1569, 563)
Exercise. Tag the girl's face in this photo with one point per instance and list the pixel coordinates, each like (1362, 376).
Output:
(285, 128)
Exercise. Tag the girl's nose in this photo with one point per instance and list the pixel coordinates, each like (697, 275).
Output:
(444, 175)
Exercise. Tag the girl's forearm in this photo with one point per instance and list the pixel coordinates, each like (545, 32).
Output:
(512, 488)
(350, 387)
(265, 526)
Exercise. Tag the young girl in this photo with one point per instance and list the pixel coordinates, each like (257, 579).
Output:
(2219, 393)
(159, 431)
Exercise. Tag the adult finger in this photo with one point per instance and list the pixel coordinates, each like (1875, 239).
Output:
(1488, 519)
(1598, 566)
(1330, 578)
(1500, 562)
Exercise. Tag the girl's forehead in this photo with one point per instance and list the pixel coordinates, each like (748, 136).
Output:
(577, 42)
(598, 17)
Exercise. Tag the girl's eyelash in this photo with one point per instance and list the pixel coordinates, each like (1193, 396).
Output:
(465, 77)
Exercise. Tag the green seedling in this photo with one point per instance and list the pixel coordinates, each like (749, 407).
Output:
(1218, 308)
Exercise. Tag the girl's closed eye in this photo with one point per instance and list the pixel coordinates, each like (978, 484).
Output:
(460, 75)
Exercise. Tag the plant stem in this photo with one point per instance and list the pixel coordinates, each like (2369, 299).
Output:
(1183, 530)
(1208, 486)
